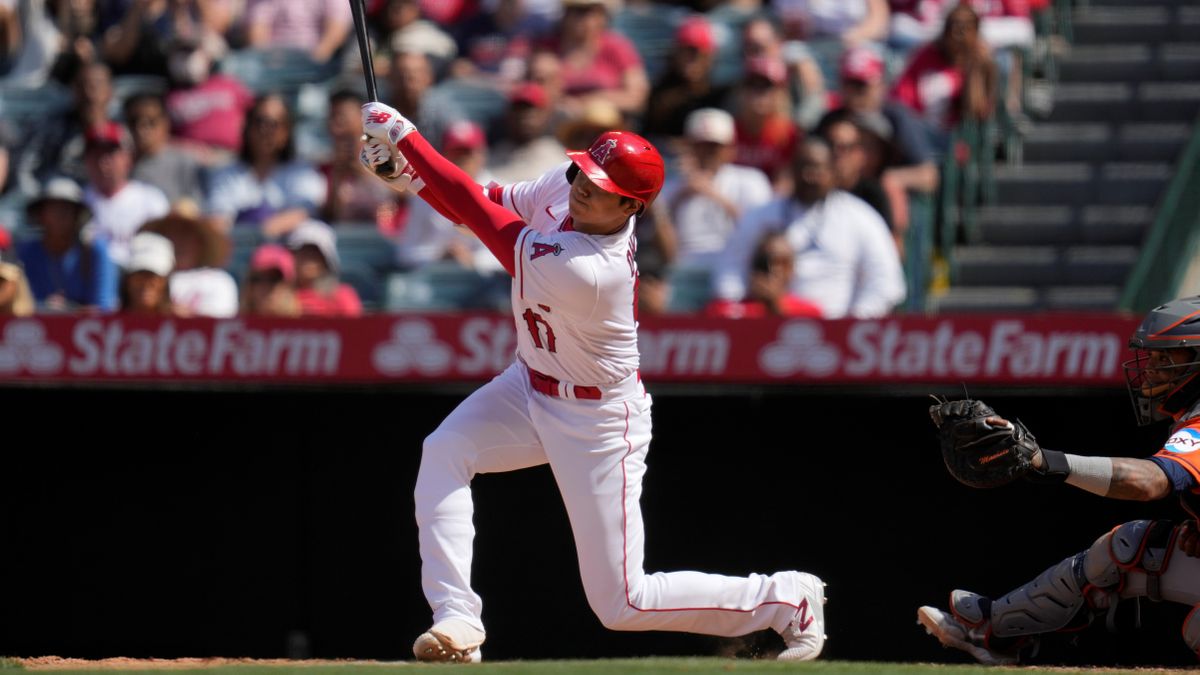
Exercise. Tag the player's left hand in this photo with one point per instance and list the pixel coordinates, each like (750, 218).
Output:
(1189, 538)
(401, 178)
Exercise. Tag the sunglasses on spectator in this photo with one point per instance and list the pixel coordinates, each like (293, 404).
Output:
(270, 277)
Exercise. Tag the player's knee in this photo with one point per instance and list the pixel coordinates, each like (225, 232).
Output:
(615, 616)
(443, 462)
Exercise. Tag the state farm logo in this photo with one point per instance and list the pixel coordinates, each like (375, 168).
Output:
(799, 347)
(24, 347)
(413, 346)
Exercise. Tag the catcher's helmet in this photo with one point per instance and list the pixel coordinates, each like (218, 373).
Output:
(624, 163)
(1159, 389)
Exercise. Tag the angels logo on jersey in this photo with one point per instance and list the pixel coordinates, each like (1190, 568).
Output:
(540, 250)
(601, 152)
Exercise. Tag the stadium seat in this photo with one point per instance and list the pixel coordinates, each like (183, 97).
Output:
(690, 288)
(651, 29)
(364, 244)
(277, 69)
(20, 105)
(480, 103)
(437, 286)
(367, 282)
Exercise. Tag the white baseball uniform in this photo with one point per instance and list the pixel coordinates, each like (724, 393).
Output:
(572, 398)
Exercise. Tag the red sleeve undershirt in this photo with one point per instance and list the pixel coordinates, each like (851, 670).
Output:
(446, 184)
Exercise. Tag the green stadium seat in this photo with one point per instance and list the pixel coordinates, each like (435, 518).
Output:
(437, 286)
(690, 288)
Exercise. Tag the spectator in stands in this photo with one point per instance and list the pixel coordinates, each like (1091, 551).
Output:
(354, 196)
(806, 84)
(598, 116)
(401, 28)
(268, 187)
(200, 286)
(207, 110)
(686, 84)
(527, 149)
(318, 290)
(319, 28)
(846, 136)
(145, 288)
(78, 27)
(707, 194)
(119, 204)
(430, 237)
(270, 285)
(1006, 26)
(912, 161)
(16, 299)
(845, 260)
(66, 271)
(769, 290)
(55, 146)
(157, 161)
(496, 43)
(915, 22)
(31, 41)
(411, 78)
(950, 79)
(850, 22)
(654, 290)
(142, 39)
(544, 69)
(766, 134)
(597, 61)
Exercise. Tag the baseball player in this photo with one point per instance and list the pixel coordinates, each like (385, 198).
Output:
(1159, 559)
(572, 398)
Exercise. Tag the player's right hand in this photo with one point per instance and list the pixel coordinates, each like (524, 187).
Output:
(401, 178)
(385, 124)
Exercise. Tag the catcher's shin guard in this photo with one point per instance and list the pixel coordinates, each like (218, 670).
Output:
(1191, 630)
(1095, 578)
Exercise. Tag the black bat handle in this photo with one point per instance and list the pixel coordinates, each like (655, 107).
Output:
(359, 10)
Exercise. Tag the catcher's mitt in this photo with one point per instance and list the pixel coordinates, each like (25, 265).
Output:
(982, 449)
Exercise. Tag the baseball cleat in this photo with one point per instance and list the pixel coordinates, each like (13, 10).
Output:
(450, 641)
(951, 633)
(805, 635)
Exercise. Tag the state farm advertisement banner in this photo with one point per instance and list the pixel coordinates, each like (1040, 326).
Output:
(1051, 349)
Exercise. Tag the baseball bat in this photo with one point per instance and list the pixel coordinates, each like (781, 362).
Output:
(359, 9)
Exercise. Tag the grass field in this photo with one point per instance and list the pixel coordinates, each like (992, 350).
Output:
(651, 666)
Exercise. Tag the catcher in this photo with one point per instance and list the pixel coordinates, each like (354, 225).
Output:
(1159, 560)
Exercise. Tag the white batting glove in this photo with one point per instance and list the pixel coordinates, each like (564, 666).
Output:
(385, 124)
(402, 178)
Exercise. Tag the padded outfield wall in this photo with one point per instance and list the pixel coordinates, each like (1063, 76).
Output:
(159, 519)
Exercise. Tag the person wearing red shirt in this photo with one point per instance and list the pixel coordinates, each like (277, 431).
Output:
(318, 289)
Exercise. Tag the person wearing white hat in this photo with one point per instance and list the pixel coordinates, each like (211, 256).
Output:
(318, 289)
(66, 270)
(708, 193)
(144, 286)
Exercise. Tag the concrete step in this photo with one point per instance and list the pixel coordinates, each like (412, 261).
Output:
(1074, 183)
(1115, 223)
(1064, 225)
(968, 299)
(1074, 265)
(1125, 102)
(1092, 141)
(1081, 298)
(1097, 265)
(1132, 62)
(1132, 23)
(983, 265)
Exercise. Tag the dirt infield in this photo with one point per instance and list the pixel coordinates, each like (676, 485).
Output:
(123, 663)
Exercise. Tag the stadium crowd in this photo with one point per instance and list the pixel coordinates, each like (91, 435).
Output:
(200, 157)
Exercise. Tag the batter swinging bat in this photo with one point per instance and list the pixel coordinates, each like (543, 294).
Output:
(359, 10)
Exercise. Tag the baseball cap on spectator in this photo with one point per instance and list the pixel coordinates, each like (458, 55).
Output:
(696, 32)
(611, 6)
(316, 233)
(274, 258)
(150, 252)
(765, 67)
(862, 64)
(61, 189)
(5, 240)
(463, 135)
(709, 125)
(108, 135)
(529, 93)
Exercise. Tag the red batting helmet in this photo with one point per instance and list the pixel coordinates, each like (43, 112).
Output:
(624, 163)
